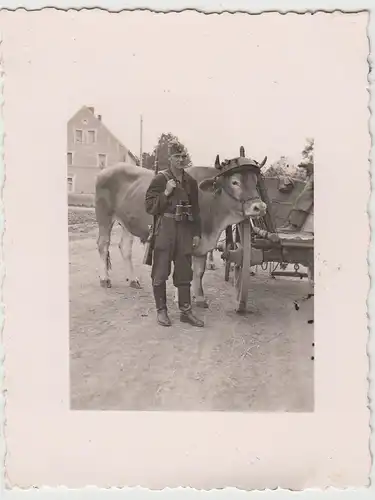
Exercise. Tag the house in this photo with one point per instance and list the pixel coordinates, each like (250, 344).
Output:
(91, 147)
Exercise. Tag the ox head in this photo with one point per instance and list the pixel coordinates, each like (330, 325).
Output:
(237, 181)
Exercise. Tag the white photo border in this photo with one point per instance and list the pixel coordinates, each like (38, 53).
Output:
(208, 6)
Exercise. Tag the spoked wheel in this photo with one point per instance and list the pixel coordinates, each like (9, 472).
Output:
(229, 245)
(242, 272)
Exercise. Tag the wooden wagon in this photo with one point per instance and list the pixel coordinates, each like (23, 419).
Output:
(255, 242)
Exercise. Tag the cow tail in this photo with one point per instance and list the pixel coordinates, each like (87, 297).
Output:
(108, 261)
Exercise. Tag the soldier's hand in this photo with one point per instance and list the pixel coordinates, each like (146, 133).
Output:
(196, 241)
(171, 184)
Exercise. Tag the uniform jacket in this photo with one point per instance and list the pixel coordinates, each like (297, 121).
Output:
(167, 230)
(306, 199)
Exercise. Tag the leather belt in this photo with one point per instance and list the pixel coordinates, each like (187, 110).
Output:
(173, 216)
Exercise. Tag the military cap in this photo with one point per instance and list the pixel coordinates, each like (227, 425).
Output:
(176, 148)
(307, 164)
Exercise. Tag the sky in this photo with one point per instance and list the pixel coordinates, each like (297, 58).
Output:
(216, 81)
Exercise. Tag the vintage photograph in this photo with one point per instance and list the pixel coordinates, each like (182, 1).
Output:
(190, 190)
(185, 246)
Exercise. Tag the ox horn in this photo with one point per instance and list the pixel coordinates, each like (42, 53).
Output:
(242, 152)
(263, 162)
(217, 162)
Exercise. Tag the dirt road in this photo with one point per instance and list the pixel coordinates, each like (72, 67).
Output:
(120, 359)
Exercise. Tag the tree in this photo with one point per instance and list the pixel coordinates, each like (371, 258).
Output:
(277, 168)
(284, 167)
(308, 150)
(148, 159)
(307, 156)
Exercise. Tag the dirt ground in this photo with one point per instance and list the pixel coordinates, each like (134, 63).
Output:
(120, 359)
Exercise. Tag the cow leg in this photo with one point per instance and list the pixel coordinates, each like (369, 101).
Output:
(175, 299)
(103, 243)
(126, 249)
(199, 267)
(211, 262)
(104, 218)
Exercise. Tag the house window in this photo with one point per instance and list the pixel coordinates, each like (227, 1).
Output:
(70, 183)
(91, 136)
(79, 136)
(102, 160)
(70, 159)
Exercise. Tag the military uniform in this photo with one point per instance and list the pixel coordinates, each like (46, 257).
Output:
(303, 203)
(173, 242)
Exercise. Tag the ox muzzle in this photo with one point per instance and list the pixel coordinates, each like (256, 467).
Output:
(254, 208)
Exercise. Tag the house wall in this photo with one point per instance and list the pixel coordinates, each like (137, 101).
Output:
(85, 156)
(83, 179)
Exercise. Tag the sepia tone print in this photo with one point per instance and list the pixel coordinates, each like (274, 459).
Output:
(168, 301)
(191, 283)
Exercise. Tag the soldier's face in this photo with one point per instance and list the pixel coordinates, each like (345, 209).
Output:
(179, 161)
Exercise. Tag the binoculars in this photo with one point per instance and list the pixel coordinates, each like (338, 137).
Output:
(183, 211)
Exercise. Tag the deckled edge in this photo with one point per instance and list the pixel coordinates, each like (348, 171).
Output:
(2, 274)
(371, 257)
(91, 489)
(251, 10)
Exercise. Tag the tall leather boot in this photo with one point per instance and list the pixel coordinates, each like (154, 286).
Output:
(184, 303)
(160, 295)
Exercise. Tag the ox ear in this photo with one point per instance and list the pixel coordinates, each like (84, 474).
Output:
(209, 185)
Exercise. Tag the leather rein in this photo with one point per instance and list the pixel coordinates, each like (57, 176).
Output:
(243, 202)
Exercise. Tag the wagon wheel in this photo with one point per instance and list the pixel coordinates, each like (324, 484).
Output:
(242, 273)
(229, 245)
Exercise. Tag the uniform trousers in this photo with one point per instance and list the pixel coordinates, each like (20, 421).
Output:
(173, 243)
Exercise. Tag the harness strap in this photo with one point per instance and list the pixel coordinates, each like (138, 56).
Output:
(169, 176)
(165, 174)
(253, 198)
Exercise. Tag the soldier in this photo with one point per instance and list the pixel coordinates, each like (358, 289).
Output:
(303, 203)
(173, 197)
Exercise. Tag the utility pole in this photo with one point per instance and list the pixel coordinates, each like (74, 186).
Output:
(141, 142)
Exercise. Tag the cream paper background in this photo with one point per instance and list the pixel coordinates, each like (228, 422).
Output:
(49, 445)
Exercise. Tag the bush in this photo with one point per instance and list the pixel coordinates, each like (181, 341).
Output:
(284, 167)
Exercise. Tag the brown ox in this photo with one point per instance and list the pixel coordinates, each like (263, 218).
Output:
(223, 200)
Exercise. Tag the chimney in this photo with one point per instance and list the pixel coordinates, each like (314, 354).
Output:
(91, 109)
(100, 118)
